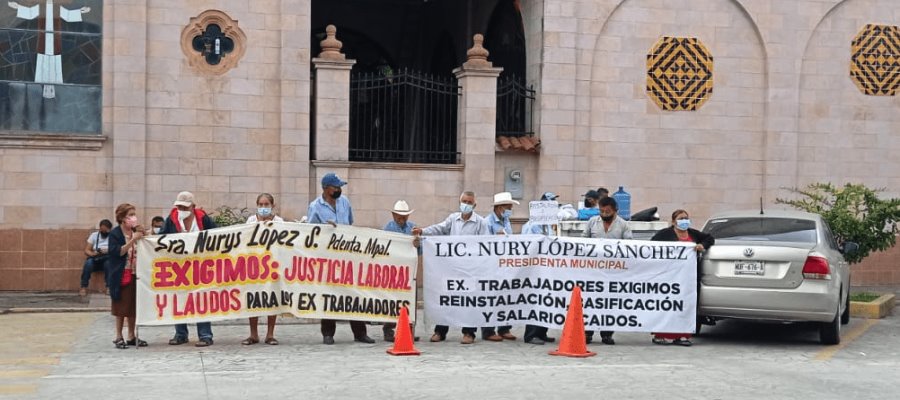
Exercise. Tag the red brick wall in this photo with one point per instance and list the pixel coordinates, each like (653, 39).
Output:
(37, 259)
(878, 269)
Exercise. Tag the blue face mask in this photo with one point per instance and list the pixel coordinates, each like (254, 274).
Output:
(264, 211)
(466, 208)
(683, 224)
(507, 213)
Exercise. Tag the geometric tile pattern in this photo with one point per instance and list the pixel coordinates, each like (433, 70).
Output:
(679, 73)
(875, 60)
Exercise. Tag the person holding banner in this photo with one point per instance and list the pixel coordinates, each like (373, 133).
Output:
(186, 217)
(399, 223)
(499, 224)
(264, 213)
(607, 225)
(681, 231)
(464, 222)
(535, 334)
(332, 208)
(121, 265)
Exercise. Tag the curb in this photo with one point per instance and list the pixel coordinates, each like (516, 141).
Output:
(35, 310)
(875, 309)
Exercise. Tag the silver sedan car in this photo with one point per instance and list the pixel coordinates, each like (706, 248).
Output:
(777, 266)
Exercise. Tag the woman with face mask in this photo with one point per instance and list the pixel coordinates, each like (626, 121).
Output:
(265, 204)
(681, 231)
(123, 241)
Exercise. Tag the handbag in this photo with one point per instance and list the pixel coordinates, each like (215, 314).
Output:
(126, 276)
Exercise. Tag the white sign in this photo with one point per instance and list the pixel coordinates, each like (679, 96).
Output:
(627, 285)
(543, 212)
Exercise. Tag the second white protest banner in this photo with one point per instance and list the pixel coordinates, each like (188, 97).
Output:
(627, 285)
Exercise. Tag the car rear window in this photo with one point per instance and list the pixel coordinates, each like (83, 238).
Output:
(763, 229)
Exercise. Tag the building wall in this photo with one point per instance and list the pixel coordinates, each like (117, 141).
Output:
(783, 112)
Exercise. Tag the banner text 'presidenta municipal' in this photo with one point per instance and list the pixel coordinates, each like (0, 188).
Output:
(627, 285)
(310, 271)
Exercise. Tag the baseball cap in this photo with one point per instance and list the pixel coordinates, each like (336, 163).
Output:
(184, 199)
(330, 179)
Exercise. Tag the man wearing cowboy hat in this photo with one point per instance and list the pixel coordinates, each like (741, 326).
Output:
(499, 224)
(400, 224)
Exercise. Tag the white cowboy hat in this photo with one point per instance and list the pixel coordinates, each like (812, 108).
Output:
(401, 208)
(504, 198)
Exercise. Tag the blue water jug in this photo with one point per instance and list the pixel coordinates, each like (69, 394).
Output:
(623, 200)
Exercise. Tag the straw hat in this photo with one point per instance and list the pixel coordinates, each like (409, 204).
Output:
(401, 208)
(504, 198)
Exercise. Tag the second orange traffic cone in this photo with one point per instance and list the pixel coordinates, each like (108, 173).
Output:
(572, 342)
(403, 341)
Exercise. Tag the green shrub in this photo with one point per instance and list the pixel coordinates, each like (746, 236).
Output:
(854, 213)
(225, 215)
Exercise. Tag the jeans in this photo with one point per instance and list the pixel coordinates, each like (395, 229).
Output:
(91, 265)
(204, 330)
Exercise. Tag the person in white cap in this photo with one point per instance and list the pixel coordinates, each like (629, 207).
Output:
(399, 223)
(186, 217)
(499, 224)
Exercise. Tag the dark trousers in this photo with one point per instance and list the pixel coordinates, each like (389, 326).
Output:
(534, 331)
(329, 326)
(603, 334)
(91, 265)
(443, 329)
(489, 331)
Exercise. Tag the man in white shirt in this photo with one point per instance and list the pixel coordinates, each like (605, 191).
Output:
(96, 252)
(607, 225)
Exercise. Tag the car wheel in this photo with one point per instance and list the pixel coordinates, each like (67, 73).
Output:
(845, 316)
(830, 332)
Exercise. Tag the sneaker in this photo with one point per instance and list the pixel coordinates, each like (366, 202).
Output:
(683, 342)
(660, 341)
(534, 340)
(177, 341)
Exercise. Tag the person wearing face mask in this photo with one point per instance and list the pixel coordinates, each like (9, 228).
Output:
(264, 213)
(400, 223)
(590, 209)
(97, 253)
(681, 231)
(186, 217)
(156, 225)
(607, 225)
(499, 224)
(463, 222)
(333, 208)
(535, 334)
(123, 241)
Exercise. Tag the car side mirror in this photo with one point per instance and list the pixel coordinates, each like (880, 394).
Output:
(849, 248)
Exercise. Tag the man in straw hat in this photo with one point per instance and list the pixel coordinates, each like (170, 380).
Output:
(400, 224)
(499, 224)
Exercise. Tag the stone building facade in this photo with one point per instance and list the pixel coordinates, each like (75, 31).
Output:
(775, 106)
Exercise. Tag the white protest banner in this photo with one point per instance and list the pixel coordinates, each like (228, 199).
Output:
(627, 285)
(543, 212)
(249, 270)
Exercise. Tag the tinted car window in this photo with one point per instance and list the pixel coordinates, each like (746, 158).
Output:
(763, 229)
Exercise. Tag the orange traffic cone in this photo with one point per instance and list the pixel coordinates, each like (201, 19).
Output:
(403, 341)
(572, 342)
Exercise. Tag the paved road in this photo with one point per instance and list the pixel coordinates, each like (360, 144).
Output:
(70, 356)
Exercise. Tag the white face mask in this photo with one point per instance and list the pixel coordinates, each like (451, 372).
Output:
(156, 231)
(183, 214)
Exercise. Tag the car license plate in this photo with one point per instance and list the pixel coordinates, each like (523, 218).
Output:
(749, 268)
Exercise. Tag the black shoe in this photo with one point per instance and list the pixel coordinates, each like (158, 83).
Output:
(177, 340)
(364, 339)
(547, 339)
(389, 337)
(607, 340)
(588, 339)
(204, 343)
(534, 340)
(328, 339)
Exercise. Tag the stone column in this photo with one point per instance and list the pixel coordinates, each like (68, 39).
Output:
(332, 109)
(477, 121)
